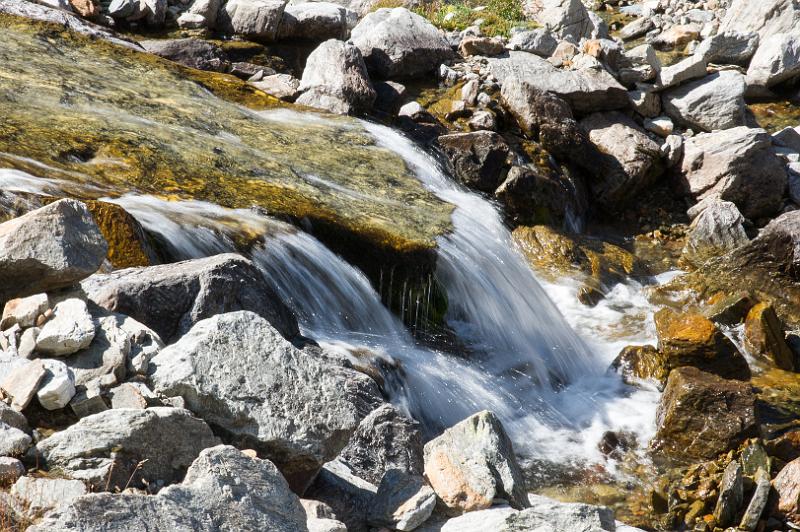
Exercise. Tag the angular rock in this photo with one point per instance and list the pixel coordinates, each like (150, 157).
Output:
(549, 514)
(480, 159)
(766, 17)
(777, 60)
(58, 386)
(702, 415)
(538, 41)
(646, 101)
(335, 79)
(638, 363)
(284, 403)
(692, 67)
(13, 442)
(483, 46)
(194, 53)
(788, 137)
(348, 495)
(108, 449)
(171, 298)
(223, 490)
(737, 165)
(636, 28)
(715, 231)
(764, 337)
(10, 470)
(567, 19)
(493, 519)
(532, 197)
(52, 247)
(256, 19)
(24, 311)
(281, 86)
(586, 90)
(676, 36)
(787, 486)
(730, 47)
(633, 160)
(661, 126)
(473, 463)
(403, 502)
(713, 102)
(384, 440)
(23, 382)
(207, 10)
(397, 43)
(731, 495)
(532, 106)
(69, 330)
(758, 502)
(36, 496)
(315, 21)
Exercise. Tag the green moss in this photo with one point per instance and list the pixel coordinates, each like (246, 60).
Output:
(498, 17)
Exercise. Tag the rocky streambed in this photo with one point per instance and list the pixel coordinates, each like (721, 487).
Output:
(378, 266)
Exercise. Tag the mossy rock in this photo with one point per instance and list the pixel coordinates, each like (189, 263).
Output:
(106, 121)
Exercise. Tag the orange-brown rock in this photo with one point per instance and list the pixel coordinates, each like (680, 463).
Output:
(85, 8)
(641, 363)
(787, 486)
(127, 242)
(764, 337)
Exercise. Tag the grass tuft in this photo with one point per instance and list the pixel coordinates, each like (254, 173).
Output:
(498, 17)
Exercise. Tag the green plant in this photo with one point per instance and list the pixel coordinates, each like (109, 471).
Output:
(497, 17)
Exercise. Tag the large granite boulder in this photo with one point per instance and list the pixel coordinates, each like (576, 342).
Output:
(729, 47)
(567, 19)
(110, 449)
(49, 248)
(702, 415)
(288, 405)
(472, 463)
(171, 298)
(223, 490)
(737, 165)
(713, 102)
(777, 60)
(397, 43)
(316, 21)
(766, 17)
(256, 19)
(335, 79)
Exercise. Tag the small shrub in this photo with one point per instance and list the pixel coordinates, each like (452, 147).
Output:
(498, 16)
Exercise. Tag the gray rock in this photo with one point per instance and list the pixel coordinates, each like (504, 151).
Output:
(646, 101)
(207, 10)
(170, 298)
(281, 86)
(480, 159)
(713, 102)
(194, 53)
(105, 360)
(22, 383)
(532, 106)
(223, 490)
(348, 495)
(69, 330)
(539, 41)
(58, 386)
(285, 403)
(575, 517)
(403, 502)
(335, 79)
(731, 495)
(108, 449)
(13, 442)
(256, 19)
(788, 137)
(27, 342)
(13, 418)
(384, 440)
(567, 19)
(636, 28)
(397, 43)
(716, 230)
(390, 96)
(320, 517)
(758, 502)
(730, 47)
(660, 125)
(48, 248)
(133, 395)
(692, 67)
(191, 21)
(633, 160)
(777, 60)
(586, 90)
(10, 470)
(24, 311)
(737, 165)
(316, 21)
(33, 496)
(472, 463)
(88, 401)
(122, 9)
(672, 150)
(766, 17)
(644, 54)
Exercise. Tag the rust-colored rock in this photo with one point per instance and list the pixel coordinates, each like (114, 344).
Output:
(764, 337)
(85, 8)
(641, 363)
(787, 485)
(127, 242)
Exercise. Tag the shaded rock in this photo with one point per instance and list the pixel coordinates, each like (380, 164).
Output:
(692, 67)
(69, 330)
(645, 101)
(764, 337)
(567, 19)
(194, 53)
(315, 21)
(23, 382)
(10, 470)
(737, 165)
(532, 197)
(35, 496)
(702, 415)
(403, 502)
(390, 96)
(24, 311)
(289, 406)
(691, 339)
(473, 463)
(480, 159)
(281, 86)
(105, 450)
(633, 160)
(638, 363)
(538, 41)
(532, 106)
(58, 386)
(350, 497)
(335, 79)
(171, 298)
(397, 43)
(715, 231)
(223, 490)
(384, 440)
(88, 401)
(788, 137)
(13, 442)
(758, 502)
(713, 102)
(51, 247)
(256, 19)
(729, 47)
(586, 90)
(777, 60)
(731, 495)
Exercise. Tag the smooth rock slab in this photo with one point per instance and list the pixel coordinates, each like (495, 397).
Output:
(23, 382)
(288, 405)
(104, 449)
(777, 60)
(713, 102)
(49, 248)
(317, 21)
(223, 490)
(69, 330)
(538, 41)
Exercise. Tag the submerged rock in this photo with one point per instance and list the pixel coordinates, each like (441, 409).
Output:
(641, 363)
(473, 463)
(223, 490)
(289, 406)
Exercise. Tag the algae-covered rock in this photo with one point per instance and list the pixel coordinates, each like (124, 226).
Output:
(107, 120)
(764, 336)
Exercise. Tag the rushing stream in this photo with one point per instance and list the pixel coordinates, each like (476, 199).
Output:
(525, 361)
